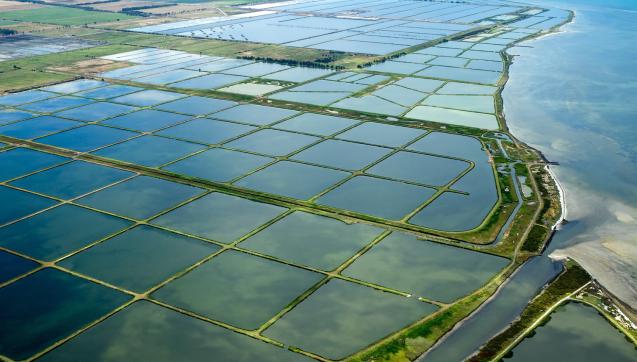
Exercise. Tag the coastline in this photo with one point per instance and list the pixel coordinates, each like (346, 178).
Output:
(622, 308)
(509, 58)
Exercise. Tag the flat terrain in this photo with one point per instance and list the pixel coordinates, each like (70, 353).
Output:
(356, 192)
(62, 16)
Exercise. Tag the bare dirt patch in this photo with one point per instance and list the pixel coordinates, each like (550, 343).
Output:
(16, 5)
(186, 10)
(92, 66)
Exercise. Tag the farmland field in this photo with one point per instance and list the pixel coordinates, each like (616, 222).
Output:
(62, 16)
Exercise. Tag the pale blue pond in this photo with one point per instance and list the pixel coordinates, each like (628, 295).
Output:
(220, 217)
(218, 164)
(377, 197)
(196, 106)
(312, 240)
(341, 308)
(210, 81)
(71, 179)
(461, 74)
(140, 197)
(397, 67)
(55, 104)
(381, 134)
(150, 151)
(473, 103)
(37, 127)
(20, 161)
(224, 287)
(107, 92)
(10, 115)
(254, 114)
(75, 86)
(256, 69)
(298, 74)
(14, 99)
(342, 154)
(148, 97)
(292, 179)
(206, 131)
(170, 76)
(146, 120)
(140, 258)
(272, 142)
(425, 269)
(454, 116)
(19, 204)
(87, 138)
(53, 233)
(318, 124)
(415, 167)
(370, 104)
(315, 98)
(96, 111)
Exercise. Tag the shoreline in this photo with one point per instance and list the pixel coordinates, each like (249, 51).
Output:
(509, 59)
(615, 301)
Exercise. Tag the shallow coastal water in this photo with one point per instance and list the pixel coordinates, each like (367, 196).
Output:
(571, 96)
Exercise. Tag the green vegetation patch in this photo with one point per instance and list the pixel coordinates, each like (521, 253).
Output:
(63, 16)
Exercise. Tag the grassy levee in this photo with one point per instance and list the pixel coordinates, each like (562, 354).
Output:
(566, 284)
